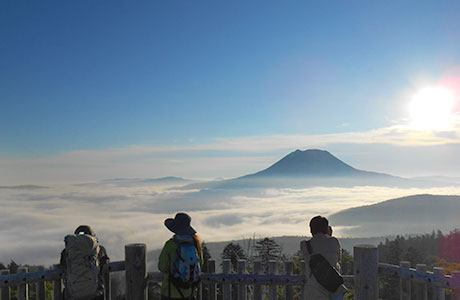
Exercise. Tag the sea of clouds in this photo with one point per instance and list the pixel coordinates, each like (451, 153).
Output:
(34, 221)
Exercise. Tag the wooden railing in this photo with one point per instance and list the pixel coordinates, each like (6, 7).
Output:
(419, 281)
(253, 285)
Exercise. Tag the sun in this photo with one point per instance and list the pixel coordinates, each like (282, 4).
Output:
(431, 108)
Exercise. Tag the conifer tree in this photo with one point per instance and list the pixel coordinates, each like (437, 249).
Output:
(206, 256)
(233, 252)
(266, 250)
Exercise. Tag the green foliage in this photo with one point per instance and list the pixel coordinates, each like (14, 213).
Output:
(206, 256)
(350, 295)
(266, 250)
(13, 267)
(233, 252)
(449, 247)
(420, 249)
(346, 263)
(48, 290)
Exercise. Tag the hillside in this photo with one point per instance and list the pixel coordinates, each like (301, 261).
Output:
(416, 214)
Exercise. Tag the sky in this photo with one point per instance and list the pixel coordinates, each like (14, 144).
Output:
(96, 90)
(205, 89)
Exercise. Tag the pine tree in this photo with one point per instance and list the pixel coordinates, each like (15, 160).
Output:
(206, 256)
(266, 250)
(233, 252)
(13, 266)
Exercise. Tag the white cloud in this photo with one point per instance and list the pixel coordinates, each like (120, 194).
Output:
(34, 223)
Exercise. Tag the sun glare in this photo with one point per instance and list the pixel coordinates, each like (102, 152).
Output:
(432, 109)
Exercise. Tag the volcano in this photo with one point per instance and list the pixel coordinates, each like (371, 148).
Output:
(312, 167)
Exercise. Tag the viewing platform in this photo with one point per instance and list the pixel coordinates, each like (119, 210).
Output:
(254, 285)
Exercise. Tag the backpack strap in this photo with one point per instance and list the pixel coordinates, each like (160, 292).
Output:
(174, 266)
(310, 251)
(177, 249)
(309, 248)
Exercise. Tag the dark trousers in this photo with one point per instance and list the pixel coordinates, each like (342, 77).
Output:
(168, 298)
(66, 297)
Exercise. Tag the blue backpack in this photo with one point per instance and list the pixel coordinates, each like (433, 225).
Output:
(186, 267)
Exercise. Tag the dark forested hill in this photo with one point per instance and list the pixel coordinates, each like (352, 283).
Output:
(407, 215)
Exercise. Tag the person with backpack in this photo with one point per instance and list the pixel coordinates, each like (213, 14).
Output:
(180, 260)
(83, 260)
(322, 255)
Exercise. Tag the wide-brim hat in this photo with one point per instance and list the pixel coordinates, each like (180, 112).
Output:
(180, 224)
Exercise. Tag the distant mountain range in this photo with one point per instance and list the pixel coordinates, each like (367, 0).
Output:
(127, 182)
(22, 187)
(412, 214)
(313, 168)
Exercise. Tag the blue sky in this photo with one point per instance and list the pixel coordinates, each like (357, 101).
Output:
(92, 78)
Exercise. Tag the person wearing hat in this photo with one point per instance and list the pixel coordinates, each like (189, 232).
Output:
(102, 259)
(184, 234)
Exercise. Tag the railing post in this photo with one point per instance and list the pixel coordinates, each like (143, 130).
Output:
(289, 266)
(303, 271)
(439, 293)
(212, 294)
(107, 285)
(23, 289)
(421, 291)
(57, 286)
(241, 286)
(135, 261)
(5, 292)
(257, 287)
(272, 270)
(40, 286)
(366, 258)
(226, 287)
(404, 283)
(456, 277)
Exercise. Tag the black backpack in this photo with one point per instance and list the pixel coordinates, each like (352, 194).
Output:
(324, 273)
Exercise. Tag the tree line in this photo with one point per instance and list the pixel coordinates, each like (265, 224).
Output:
(434, 250)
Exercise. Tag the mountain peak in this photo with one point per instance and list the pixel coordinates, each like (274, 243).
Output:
(308, 163)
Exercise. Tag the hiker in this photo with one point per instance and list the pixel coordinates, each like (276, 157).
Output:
(329, 248)
(180, 260)
(83, 260)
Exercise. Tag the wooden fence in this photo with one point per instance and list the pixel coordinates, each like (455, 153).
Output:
(253, 285)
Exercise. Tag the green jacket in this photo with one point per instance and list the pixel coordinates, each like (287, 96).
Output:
(166, 261)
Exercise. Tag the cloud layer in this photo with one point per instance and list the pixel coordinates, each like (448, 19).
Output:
(33, 223)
